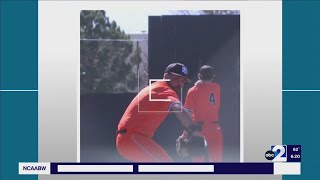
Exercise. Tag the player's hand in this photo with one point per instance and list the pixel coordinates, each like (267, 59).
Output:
(185, 133)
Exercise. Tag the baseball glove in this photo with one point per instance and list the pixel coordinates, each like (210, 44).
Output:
(190, 146)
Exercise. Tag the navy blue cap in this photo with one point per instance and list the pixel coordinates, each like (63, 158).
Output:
(206, 72)
(178, 69)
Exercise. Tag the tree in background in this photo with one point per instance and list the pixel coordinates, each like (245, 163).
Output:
(105, 62)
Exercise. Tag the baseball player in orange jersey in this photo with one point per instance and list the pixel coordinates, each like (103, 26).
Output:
(203, 99)
(145, 114)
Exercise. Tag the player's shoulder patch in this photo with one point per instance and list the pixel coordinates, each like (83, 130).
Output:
(174, 103)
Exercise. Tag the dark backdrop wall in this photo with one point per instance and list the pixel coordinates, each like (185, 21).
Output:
(193, 41)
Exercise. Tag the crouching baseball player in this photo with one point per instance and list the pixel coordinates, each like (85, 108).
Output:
(143, 116)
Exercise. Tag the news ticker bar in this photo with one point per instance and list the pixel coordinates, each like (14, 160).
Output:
(277, 168)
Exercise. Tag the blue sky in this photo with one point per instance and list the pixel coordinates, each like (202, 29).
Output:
(133, 21)
(136, 20)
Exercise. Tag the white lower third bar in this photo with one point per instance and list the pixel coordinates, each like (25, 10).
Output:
(95, 168)
(287, 168)
(176, 168)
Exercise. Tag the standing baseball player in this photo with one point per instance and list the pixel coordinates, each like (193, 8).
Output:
(147, 111)
(203, 99)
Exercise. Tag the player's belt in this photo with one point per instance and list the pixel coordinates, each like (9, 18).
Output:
(122, 131)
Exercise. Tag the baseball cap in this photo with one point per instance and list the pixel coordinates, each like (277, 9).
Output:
(206, 72)
(178, 69)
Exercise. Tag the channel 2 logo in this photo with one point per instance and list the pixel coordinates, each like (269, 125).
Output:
(278, 153)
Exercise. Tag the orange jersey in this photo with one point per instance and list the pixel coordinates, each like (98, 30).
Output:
(144, 116)
(204, 100)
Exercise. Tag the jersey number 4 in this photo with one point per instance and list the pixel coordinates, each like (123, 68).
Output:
(212, 99)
